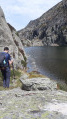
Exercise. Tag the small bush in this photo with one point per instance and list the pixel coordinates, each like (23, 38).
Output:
(25, 59)
(23, 63)
(62, 86)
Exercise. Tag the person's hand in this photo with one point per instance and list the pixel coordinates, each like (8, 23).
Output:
(12, 60)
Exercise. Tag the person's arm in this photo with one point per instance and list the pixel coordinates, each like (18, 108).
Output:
(10, 62)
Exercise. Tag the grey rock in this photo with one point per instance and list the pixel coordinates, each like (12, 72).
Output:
(8, 37)
(38, 84)
(19, 104)
(1, 13)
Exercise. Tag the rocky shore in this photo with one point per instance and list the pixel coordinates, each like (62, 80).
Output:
(38, 98)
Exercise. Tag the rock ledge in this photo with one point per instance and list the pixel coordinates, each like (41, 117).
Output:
(38, 84)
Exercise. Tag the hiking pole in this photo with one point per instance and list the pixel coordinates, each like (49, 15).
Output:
(13, 71)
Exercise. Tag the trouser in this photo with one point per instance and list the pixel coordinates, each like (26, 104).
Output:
(6, 77)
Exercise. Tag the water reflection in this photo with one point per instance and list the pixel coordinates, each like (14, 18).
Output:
(50, 61)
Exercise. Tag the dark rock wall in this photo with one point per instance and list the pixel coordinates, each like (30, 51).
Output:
(51, 27)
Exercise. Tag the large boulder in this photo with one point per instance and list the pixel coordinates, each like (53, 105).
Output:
(8, 37)
(38, 84)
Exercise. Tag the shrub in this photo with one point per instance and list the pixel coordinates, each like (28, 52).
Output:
(24, 63)
(62, 86)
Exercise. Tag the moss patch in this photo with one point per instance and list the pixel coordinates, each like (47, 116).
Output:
(35, 74)
(44, 115)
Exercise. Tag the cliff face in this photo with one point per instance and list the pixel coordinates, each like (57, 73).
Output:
(49, 29)
(8, 37)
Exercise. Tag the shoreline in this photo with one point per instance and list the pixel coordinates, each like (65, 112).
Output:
(41, 99)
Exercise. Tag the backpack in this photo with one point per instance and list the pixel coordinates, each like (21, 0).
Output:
(3, 63)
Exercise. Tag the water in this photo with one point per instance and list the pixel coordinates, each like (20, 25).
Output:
(50, 61)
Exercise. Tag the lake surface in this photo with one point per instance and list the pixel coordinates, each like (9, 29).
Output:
(50, 61)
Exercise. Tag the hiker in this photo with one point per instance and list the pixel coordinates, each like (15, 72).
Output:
(6, 68)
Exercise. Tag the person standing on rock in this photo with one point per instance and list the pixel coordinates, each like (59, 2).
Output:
(6, 71)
